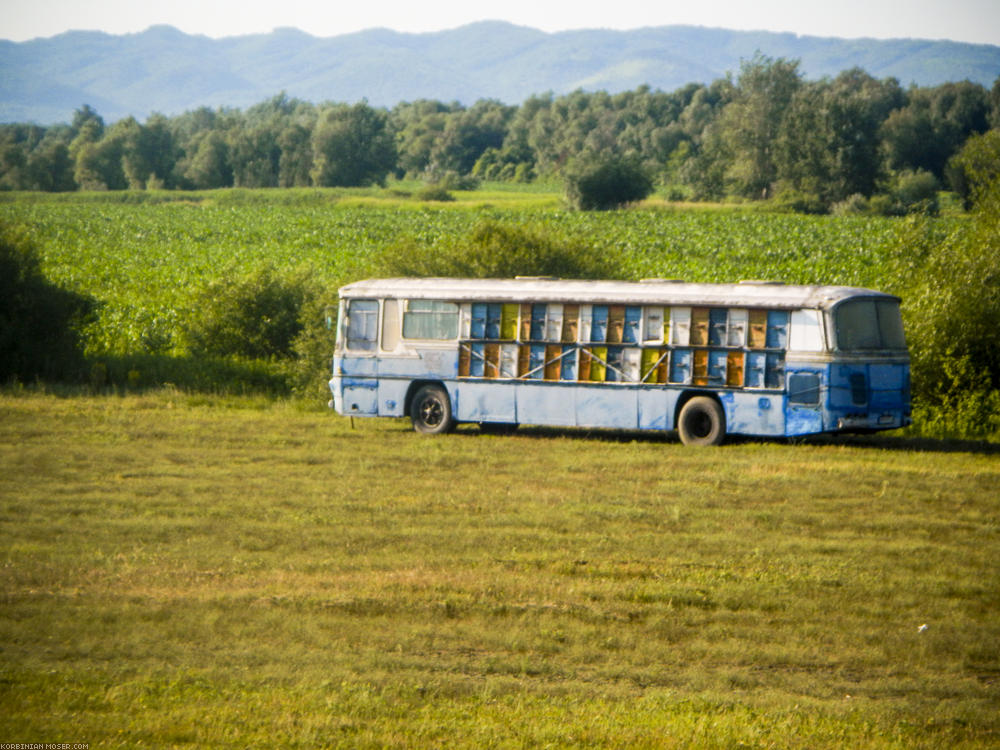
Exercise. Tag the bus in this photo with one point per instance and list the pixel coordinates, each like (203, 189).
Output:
(705, 360)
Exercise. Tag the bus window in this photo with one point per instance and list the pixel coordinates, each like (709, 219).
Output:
(362, 324)
(806, 333)
(390, 325)
(869, 324)
(431, 319)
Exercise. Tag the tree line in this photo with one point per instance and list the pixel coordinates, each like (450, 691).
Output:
(763, 133)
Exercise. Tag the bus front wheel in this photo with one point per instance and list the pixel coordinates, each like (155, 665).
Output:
(431, 411)
(702, 422)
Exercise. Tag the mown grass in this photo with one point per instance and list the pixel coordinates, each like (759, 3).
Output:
(191, 570)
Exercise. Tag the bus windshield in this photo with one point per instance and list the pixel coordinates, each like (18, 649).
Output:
(865, 324)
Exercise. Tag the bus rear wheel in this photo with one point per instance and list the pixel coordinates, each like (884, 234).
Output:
(431, 411)
(702, 422)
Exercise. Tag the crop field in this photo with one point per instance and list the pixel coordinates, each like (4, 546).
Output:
(142, 260)
(184, 570)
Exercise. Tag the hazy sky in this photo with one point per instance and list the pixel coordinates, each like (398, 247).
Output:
(960, 20)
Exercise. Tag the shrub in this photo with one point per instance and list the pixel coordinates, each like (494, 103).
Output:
(950, 285)
(799, 202)
(39, 322)
(257, 315)
(435, 193)
(495, 250)
(605, 183)
(852, 205)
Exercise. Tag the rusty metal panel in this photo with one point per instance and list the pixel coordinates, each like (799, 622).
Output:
(552, 361)
(492, 353)
(616, 324)
(525, 334)
(699, 326)
(758, 329)
(734, 369)
(699, 371)
(571, 316)
(464, 355)
(585, 359)
(523, 359)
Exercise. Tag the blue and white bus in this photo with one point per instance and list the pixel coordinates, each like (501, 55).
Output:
(706, 360)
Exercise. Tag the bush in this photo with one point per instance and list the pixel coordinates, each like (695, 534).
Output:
(258, 315)
(799, 202)
(852, 205)
(950, 285)
(40, 322)
(605, 183)
(495, 250)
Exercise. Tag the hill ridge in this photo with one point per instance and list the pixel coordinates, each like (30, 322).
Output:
(163, 69)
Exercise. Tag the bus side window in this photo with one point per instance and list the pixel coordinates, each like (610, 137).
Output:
(806, 333)
(390, 325)
(362, 324)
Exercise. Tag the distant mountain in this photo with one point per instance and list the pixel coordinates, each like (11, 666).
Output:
(164, 70)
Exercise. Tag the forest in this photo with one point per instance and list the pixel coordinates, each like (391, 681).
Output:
(851, 144)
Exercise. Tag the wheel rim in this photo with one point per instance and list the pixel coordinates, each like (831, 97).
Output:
(431, 412)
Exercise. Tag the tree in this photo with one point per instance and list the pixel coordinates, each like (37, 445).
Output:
(934, 124)
(974, 169)
(594, 183)
(39, 322)
(352, 146)
(751, 122)
(210, 167)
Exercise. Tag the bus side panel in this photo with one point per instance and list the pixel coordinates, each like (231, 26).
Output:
(357, 380)
(544, 404)
(607, 406)
(656, 408)
(749, 413)
(484, 402)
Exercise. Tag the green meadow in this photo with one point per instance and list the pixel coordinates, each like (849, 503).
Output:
(191, 556)
(182, 570)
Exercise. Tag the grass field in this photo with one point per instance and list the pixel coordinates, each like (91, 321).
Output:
(183, 570)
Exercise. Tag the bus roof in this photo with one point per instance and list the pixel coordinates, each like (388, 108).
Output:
(647, 292)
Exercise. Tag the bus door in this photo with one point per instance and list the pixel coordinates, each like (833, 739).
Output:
(804, 404)
(358, 366)
(805, 382)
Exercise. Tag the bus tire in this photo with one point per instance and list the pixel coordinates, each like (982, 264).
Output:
(702, 422)
(431, 411)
